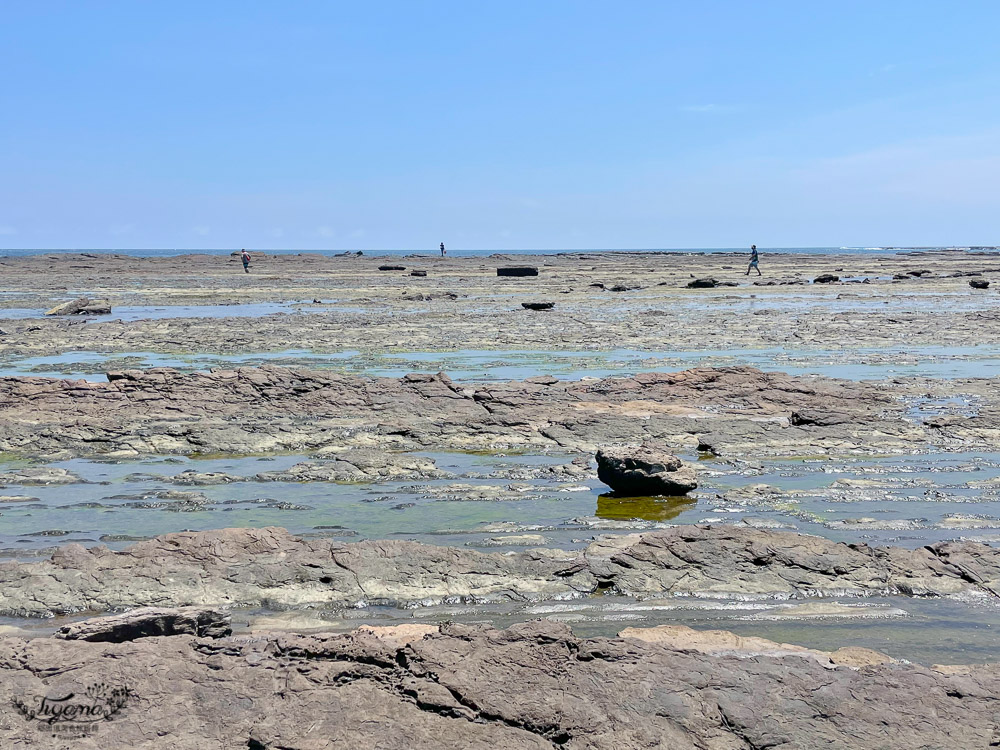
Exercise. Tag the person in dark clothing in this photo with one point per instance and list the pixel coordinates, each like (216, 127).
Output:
(245, 257)
(754, 260)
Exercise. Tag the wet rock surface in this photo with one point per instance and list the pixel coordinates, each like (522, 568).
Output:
(532, 686)
(257, 567)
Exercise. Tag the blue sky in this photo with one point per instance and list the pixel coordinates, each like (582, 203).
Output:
(507, 125)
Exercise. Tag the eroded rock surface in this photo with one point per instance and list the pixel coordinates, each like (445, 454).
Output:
(532, 686)
(147, 622)
(266, 409)
(645, 471)
(257, 567)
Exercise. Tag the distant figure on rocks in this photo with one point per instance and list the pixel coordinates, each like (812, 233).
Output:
(442, 250)
(754, 260)
(245, 257)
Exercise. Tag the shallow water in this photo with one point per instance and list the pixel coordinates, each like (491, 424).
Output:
(906, 501)
(505, 365)
(541, 509)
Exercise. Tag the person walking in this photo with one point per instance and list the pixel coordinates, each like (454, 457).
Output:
(245, 257)
(442, 250)
(754, 261)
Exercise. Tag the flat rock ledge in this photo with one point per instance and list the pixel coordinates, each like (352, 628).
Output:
(466, 687)
(266, 409)
(271, 567)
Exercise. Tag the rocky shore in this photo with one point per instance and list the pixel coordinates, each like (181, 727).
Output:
(535, 685)
(266, 409)
(270, 567)
(447, 502)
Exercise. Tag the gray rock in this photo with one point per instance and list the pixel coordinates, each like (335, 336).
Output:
(147, 622)
(644, 471)
(538, 305)
(257, 567)
(81, 306)
(534, 686)
(268, 409)
(826, 278)
(979, 284)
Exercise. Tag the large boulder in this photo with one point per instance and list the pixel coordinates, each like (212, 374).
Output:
(826, 278)
(644, 471)
(517, 271)
(146, 622)
(538, 305)
(979, 284)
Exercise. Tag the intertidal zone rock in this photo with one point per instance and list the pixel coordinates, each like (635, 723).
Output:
(644, 471)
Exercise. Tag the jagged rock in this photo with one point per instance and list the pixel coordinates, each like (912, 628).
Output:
(826, 278)
(147, 622)
(644, 471)
(534, 686)
(81, 306)
(517, 271)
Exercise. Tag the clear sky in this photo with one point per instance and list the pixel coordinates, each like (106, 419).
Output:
(521, 124)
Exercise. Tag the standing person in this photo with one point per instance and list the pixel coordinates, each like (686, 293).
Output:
(442, 250)
(754, 260)
(245, 257)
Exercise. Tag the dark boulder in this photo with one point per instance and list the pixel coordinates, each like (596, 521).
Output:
(817, 418)
(706, 283)
(392, 268)
(979, 284)
(644, 471)
(826, 278)
(418, 273)
(538, 305)
(517, 271)
(147, 622)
